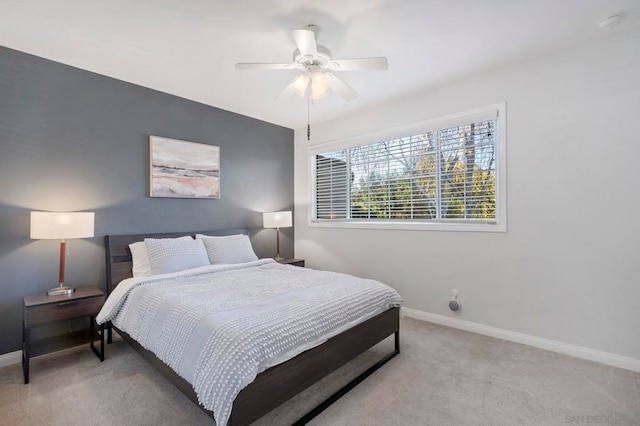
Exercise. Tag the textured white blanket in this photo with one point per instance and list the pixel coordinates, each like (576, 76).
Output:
(219, 326)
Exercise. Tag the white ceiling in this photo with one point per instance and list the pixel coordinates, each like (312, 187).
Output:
(189, 47)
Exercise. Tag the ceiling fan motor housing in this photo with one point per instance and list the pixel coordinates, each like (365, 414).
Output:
(308, 61)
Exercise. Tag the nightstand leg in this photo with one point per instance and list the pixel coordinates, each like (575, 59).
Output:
(23, 333)
(26, 339)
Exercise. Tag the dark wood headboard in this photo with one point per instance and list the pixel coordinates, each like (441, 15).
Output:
(119, 256)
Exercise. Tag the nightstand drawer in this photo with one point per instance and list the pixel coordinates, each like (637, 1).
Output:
(62, 310)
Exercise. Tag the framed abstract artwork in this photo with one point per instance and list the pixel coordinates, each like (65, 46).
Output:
(182, 169)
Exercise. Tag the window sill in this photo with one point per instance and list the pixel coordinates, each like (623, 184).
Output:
(412, 226)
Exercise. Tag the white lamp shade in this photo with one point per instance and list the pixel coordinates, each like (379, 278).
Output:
(319, 85)
(61, 226)
(300, 84)
(277, 220)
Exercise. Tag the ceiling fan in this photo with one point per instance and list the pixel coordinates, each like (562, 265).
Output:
(318, 67)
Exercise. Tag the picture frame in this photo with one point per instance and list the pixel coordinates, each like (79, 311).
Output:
(183, 169)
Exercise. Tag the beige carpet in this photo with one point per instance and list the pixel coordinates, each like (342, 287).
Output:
(442, 377)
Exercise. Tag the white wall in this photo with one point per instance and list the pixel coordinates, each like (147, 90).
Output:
(568, 268)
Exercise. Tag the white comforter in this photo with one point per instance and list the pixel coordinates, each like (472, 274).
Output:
(219, 326)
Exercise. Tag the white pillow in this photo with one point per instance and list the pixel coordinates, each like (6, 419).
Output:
(141, 267)
(172, 255)
(229, 249)
(140, 260)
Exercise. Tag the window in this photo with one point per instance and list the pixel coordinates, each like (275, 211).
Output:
(435, 175)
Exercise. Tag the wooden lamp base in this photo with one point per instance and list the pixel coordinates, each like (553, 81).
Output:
(61, 290)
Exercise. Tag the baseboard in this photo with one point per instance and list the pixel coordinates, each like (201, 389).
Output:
(10, 358)
(526, 339)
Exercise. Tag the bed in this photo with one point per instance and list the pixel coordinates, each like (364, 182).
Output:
(278, 380)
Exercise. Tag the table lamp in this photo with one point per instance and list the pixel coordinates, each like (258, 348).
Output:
(61, 226)
(277, 220)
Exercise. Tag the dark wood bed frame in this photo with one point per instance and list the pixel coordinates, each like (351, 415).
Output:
(276, 385)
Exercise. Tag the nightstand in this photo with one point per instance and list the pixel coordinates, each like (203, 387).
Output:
(292, 261)
(40, 309)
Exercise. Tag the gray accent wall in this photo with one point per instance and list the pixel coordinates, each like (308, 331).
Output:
(72, 140)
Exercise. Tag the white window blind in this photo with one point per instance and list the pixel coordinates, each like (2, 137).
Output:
(445, 175)
(332, 182)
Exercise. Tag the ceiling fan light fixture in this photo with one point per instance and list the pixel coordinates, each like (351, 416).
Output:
(300, 84)
(319, 85)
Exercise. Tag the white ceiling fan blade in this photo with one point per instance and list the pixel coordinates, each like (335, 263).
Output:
(306, 41)
(287, 93)
(364, 64)
(340, 87)
(265, 66)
